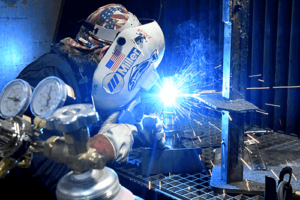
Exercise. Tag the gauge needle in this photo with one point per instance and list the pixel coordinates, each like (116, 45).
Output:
(13, 98)
(48, 98)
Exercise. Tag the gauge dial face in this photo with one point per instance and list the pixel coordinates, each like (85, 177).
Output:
(47, 97)
(15, 98)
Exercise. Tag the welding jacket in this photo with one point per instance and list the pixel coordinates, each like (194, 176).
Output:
(114, 141)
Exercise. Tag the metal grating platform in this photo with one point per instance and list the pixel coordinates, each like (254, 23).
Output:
(182, 186)
(273, 151)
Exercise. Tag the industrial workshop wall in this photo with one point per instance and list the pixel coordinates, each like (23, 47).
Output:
(27, 28)
(274, 66)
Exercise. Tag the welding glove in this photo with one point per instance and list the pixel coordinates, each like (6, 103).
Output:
(150, 133)
(114, 141)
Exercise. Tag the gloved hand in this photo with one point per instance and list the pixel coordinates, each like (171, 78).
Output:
(114, 141)
(150, 133)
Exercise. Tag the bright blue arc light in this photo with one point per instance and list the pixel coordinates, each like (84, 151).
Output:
(168, 92)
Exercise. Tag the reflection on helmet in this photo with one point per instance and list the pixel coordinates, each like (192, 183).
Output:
(139, 69)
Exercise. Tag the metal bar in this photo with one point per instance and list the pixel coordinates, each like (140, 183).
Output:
(293, 98)
(226, 49)
(282, 62)
(257, 54)
(226, 61)
(226, 11)
(269, 60)
(232, 147)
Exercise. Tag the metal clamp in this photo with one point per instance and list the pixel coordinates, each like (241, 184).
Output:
(284, 190)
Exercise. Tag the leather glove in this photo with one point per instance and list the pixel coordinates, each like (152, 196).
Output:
(114, 141)
(150, 133)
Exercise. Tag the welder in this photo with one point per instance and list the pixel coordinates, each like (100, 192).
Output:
(111, 61)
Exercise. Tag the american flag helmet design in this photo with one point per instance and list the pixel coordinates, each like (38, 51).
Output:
(111, 16)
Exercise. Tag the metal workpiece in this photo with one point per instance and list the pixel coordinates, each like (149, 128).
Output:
(232, 147)
(170, 128)
(216, 101)
(71, 118)
(94, 184)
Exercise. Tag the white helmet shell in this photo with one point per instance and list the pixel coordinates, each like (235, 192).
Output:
(128, 66)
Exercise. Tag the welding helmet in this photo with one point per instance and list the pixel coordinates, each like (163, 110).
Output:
(130, 62)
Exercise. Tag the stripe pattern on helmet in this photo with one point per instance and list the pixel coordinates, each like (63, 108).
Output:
(111, 16)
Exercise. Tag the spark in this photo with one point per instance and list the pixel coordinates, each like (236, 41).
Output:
(218, 66)
(294, 177)
(212, 163)
(214, 126)
(212, 109)
(193, 141)
(208, 92)
(197, 122)
(199, 157)
(274, 174)
(258, 88)
(272, 105)
(202, 74)
(149, 185)
(261, 131)
(160, 185)
(255, 75)
(286, 162)
(207, 85)
(224, 193)
(277, 87)
(247, 183)
(261, 80)
(210, 172)
(262, 112)
(169, 174)
(189, 188)
(229, 117)
(248, 149)
(245, 163)
(194, 133)
(199, 139)
(253, 138)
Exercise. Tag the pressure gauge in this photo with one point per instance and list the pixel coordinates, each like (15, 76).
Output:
(15, 98)
(49, 95)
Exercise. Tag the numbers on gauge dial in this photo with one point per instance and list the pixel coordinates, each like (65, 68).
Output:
(47, 98)
(12, 100)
